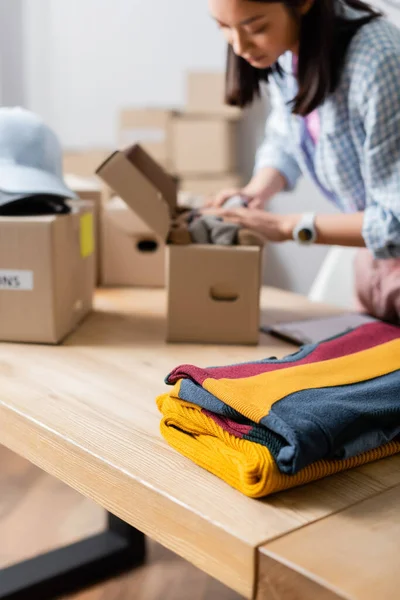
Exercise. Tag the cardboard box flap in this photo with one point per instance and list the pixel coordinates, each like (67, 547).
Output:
(145, 187)
(154, 173)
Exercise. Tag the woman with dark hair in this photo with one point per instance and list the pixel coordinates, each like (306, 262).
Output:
(333, 68)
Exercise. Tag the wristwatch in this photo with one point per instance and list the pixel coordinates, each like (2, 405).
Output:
(305, 232)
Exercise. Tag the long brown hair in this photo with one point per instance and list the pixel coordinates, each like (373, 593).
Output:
(324, 40)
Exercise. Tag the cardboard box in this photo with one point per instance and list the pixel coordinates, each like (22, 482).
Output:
(151, 128)
(213, 292)
(208, 186)
(46, 275)
(206, 94)
(131, 254)
(204, 146)
(83, 163)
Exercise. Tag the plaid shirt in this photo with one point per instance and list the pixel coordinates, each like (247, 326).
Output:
(356, 161)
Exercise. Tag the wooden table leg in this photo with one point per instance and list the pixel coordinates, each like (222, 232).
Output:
(118, 549)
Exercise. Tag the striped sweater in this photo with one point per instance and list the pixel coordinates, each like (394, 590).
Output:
(336, 402)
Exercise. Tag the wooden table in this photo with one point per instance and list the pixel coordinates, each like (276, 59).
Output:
(85, 413)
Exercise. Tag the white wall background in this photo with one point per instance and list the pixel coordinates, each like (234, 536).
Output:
(77, 62)
(391, 8)
(12, 52)
(85, 59)
(92, 57)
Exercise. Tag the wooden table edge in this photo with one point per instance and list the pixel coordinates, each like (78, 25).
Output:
(278, 579)
(194, 546)
(281, 578)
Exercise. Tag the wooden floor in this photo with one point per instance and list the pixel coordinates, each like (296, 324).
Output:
(38, 513)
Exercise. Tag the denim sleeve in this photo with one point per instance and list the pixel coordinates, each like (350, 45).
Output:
(276, 149)
(381, 107)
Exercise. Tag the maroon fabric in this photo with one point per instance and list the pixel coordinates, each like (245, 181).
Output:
(232, 427)
(362, 338)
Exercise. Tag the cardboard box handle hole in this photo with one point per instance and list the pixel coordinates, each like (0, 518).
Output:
(147, 246)
(223, 293)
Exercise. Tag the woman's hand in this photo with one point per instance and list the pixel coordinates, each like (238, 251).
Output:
(255, 201)
(219, 199)
(261, 188)
(275, 228)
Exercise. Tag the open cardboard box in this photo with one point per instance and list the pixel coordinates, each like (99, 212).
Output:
(47, 274)
(132, 254)
(213, 291)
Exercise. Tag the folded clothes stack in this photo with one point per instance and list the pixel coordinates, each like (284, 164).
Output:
(192, 227)
(275, 424)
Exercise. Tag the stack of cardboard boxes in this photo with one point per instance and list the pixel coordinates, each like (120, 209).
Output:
(83, 163)
(197, 147)
(205, 138)
(213, 291)
(117, 233)
(152, 128)
(133, 254)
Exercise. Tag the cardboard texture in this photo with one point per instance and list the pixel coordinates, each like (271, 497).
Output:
(213, 294)
(122, 216)
(206, 94)
(134, 234)
(138, 180)
(204, 146)
(93, 190)
(151, 128)
(47, 275)
(132, 255)
(208, 186)
(213, 291)
(83, 163)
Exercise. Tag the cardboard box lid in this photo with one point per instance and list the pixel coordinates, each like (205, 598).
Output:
(144, 185)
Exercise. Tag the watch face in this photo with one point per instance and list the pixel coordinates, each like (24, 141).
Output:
(305, 235)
